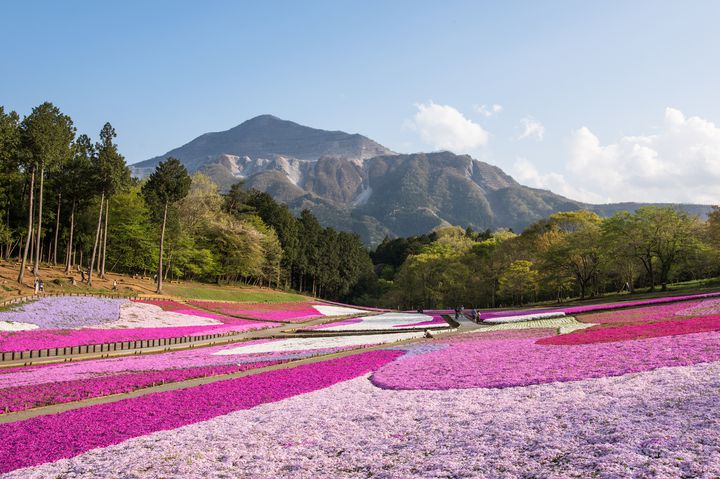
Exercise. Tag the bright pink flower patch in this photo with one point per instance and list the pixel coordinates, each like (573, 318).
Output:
(631, 332)
(286, 312)
(49, 438)
(485, 361)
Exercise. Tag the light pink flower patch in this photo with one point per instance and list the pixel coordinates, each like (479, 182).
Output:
(484, 360)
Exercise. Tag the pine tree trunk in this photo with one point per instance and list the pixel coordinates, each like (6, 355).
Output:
(104, 247)
(69, 264)
(160, 259)
(57, 230)
(21, 276)
(36, 265)
(97, 239)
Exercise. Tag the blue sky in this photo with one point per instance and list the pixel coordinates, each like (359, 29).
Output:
(597, 100)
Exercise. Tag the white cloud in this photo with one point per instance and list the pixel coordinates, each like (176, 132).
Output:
(531, 129)
(445, 128)
(680, 163)
(489, 110)
(527, 174)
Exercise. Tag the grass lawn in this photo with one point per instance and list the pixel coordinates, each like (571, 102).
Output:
(230, 293)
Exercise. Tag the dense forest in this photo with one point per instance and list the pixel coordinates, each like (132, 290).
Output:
(568, 255)
(69, 200)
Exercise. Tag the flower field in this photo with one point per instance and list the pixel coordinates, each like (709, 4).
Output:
(624, 393)
(57, 322)
(295, 312)
(386, 321)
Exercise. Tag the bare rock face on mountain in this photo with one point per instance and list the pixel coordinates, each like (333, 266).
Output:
(267, 138)
(355, 184)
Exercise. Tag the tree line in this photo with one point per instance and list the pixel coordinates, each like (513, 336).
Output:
(571, 254)
(68, 200)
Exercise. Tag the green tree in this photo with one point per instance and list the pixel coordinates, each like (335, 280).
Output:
(574, 251)
(111, 174)
(10, 177)
(76, 177)
(169, 183)
(519, 280)
(47, 136)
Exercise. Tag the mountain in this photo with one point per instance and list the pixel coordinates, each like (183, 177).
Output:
(352, 183)
(260, 142)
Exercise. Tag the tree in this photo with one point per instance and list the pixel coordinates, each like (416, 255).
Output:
(519, 280)
(575, 250)
(111, 173)
(47, 136)
(169, 183)
(76, 176)
(10, 178)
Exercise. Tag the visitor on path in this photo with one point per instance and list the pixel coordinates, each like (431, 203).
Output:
(37, 286)
(114, 285)
(41, 285)
(82, 275)
(457, 313)
(475, 315)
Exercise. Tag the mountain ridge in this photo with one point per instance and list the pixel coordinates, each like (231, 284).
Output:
(353, 183)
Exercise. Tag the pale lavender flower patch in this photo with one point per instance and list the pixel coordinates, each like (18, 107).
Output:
(66, 312)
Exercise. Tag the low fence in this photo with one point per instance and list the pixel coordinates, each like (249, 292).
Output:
(69, 351)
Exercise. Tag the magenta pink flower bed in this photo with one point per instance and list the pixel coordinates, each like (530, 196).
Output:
(26, 397)
(49, 438)
(175, 307)
(630, 332)
(511, 360)
(285, 312)
(642, 315)
(60, 338)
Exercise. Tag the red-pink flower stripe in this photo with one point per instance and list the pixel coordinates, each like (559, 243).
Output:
(642, 315)
(175, 307)
(286, 312)
(637, 331)
(487, 360)
(598, 307)
(49, 438)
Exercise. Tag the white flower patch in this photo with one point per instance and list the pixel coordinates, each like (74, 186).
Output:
(305, 344)
(16, 326)
(143, 315)
(387, 321)
(524, 317)
(328, 310)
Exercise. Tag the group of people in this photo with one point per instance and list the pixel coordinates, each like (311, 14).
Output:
(39, 286)
(474, 314)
